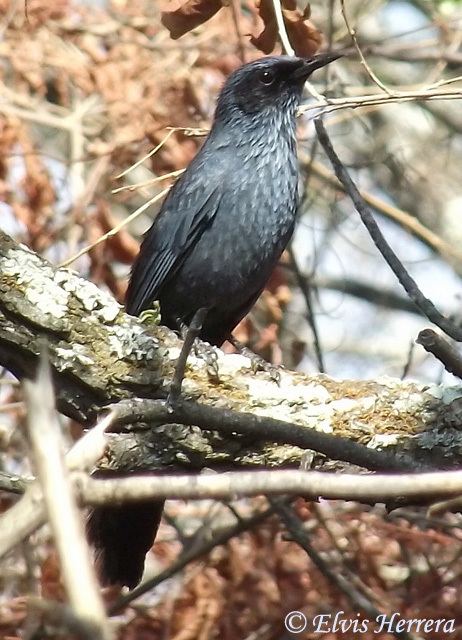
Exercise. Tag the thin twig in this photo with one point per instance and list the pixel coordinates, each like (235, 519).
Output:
(354, 102)
(289, 50)
(299, 535)
(145, 157)
(189, 556)
(364, 62)
(287, 47)
(116, 229)
(235, 12)
(227, 421)
(382, 297)
(306, 289)
(147, 183)
(22, 519)
(226, 486)
(404, 219)
(407, 282)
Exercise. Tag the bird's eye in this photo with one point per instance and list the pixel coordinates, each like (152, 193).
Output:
(267, 77)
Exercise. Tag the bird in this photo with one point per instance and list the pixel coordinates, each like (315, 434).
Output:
(213, 245)
(226, 221)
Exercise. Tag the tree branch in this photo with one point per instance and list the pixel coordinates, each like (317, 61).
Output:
(407, 282)
(419, 487)
(66, 524)
(101, 356)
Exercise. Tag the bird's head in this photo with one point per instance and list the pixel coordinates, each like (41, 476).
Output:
(268, 83)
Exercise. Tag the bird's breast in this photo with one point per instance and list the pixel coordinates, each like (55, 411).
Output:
(253, 224)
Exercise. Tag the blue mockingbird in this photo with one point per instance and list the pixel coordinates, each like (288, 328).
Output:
(213, 245)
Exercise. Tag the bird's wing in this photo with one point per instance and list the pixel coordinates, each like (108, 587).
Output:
(188, 210)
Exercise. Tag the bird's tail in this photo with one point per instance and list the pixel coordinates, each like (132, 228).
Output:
(122, 536)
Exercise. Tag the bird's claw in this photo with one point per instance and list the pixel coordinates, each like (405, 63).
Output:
(258, 363)
(270, 369)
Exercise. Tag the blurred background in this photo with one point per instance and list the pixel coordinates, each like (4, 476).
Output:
(101, 105)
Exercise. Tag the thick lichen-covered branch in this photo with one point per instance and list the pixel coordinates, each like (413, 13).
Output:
(100, 356)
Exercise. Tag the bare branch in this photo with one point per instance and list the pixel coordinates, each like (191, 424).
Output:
(24, 517)
(311, 484)
(67, 527)
(407, 282)
(442, 349)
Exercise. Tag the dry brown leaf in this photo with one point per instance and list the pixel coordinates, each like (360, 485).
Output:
(189, 15)
(266, 40)
(303, 35)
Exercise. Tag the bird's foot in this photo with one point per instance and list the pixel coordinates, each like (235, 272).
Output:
(208, 354)
(257, 363)
(260, 364)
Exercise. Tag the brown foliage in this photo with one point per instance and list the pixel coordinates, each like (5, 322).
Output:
(189, 15)
(303, 35)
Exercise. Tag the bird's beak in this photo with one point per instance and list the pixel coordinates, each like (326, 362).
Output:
(316, 62)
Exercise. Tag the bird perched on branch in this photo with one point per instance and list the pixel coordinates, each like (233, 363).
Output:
(214, 244)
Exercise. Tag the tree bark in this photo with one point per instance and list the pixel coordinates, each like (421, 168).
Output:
(100, 356)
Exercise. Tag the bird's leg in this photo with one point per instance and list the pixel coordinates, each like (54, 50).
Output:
(201, 349)
(204, 351)
(257, 362)
(189, 337)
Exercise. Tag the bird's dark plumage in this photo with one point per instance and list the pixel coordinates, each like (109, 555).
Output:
(220, 232)
(228, 218)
